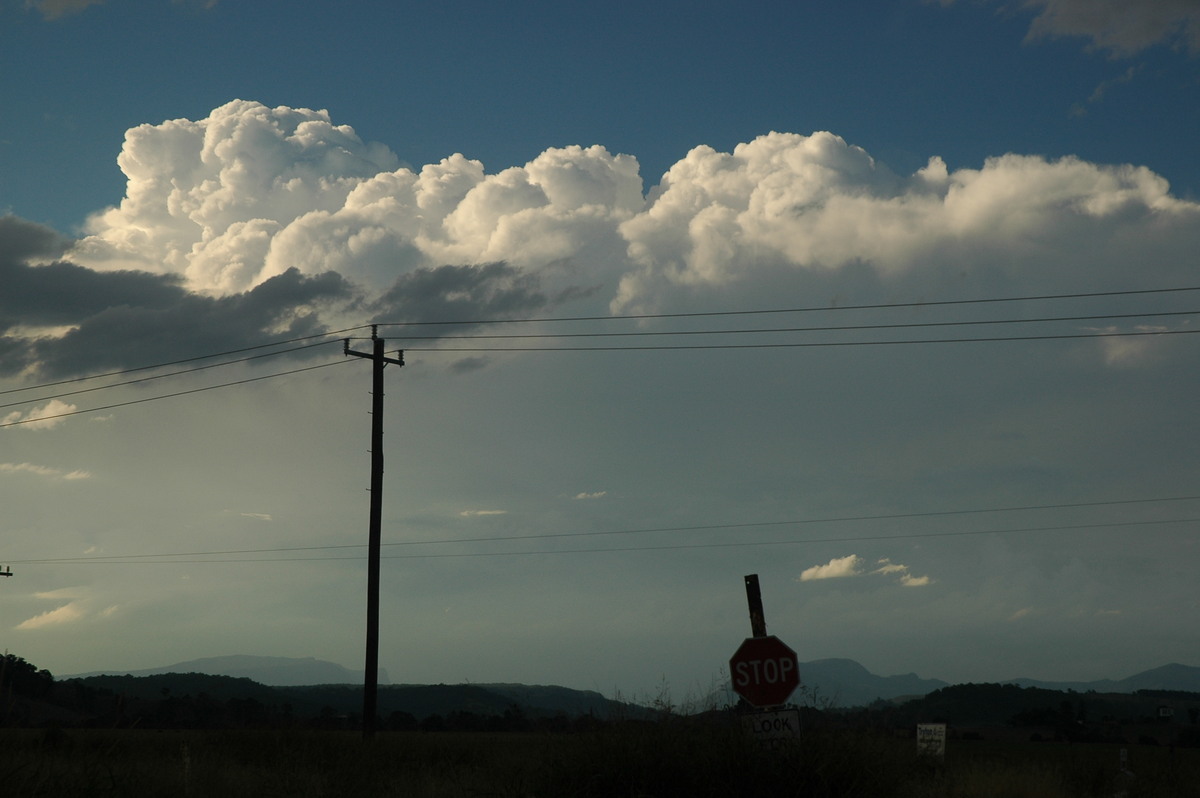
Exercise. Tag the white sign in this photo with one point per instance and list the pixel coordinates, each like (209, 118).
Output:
(931, 739)
(773, 729)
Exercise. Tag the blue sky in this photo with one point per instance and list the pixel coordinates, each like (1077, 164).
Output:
(183, 179)
(905, 80)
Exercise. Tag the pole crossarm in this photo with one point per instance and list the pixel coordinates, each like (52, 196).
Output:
(395, 361)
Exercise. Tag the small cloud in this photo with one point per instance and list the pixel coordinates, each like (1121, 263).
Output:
(45, 417)
(43, 471)
(476, 513)
(836, 568)
(886, 567)
(1133, 350)
(108, 612)
(1024, 612)
(53, 9)
(466, 365)
(600, 494)
(61, 593)
(67, 613)
(259, 516)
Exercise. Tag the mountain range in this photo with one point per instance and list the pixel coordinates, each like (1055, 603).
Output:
(271, 671)
(825, 683)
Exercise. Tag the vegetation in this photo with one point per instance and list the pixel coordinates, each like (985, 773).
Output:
(180, 741)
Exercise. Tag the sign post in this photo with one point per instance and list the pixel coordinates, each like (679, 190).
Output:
(765, 671)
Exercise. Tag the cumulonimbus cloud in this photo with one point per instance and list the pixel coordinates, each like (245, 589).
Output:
(256, 222)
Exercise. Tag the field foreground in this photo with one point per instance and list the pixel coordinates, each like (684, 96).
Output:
(635, 759)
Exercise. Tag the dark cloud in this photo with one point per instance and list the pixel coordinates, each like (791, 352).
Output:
(1118, 26)
(283, 307)
(54, 9)
(129, 318)
(21, 239)
(1121, 27)
(462, 293)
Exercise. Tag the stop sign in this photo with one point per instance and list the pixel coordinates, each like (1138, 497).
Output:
(764, 671)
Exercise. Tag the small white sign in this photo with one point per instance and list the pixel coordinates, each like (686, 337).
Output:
(931, 739)
(773, 729)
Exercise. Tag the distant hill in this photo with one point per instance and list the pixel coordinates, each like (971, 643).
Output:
(825, 683)
(273, 671)
(844, 683)
(841, 683)
(1168, 677)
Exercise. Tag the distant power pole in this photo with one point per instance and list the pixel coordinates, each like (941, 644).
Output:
(371, 675)
(6, 571)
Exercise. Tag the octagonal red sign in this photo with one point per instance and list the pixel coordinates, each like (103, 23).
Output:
(764, 671)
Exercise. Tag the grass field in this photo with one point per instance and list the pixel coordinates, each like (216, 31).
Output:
(635, 759)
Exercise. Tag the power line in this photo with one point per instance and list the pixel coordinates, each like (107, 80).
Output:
(801, 344)
(161, 376)
(665, 547)
(826, 328)
(181, 361)
(658, 347)
(168, 395)
(102, 558)
(803, 309)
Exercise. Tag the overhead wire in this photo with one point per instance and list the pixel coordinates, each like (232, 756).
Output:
(824, 328)
(165, 364)
(156, 557)
(616, 549)
(804, 344)
(153, 377)
(143, 400)
(331, 336)
(804, 309)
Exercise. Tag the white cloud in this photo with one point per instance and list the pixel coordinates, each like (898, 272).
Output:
(77, 609)
(47, 416)
(600, 494)
(248, 192)
(816, 204)
(242, 195)
(888, 568)
(43, 471)
(67, 613)
(836, 568)
(852, 565)
(478, 513)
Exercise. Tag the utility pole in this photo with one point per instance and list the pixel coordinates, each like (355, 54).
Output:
(6, 571)
(371, 674)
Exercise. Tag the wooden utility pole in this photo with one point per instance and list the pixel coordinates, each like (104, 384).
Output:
(371, 671)
(5, 571)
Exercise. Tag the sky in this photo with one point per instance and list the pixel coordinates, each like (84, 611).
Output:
(889, 303)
